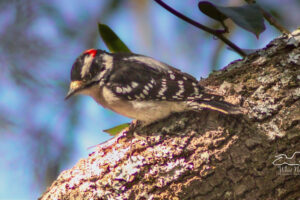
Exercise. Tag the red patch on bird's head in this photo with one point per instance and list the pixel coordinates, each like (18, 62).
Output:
(92, 52)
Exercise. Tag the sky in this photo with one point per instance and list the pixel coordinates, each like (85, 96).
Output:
(37, 111)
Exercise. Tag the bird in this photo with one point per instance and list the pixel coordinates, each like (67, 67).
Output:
(140, 87)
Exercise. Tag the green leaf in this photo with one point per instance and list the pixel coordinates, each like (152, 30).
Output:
(117, 129)
(248, 17)
(111, 40)
(210, 10)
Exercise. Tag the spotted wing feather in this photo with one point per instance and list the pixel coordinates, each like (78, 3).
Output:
(136, 78)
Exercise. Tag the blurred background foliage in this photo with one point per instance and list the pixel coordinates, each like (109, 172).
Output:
(40, 133)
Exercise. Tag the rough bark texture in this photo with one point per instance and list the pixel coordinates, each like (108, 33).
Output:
(207, 155)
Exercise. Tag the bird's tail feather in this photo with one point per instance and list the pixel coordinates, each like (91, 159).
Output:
(221, 106)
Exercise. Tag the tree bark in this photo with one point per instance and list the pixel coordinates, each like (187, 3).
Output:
(208, 155)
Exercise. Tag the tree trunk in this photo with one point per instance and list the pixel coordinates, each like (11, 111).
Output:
(208, 155)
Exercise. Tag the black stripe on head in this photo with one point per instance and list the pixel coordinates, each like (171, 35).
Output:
(76, 68)
(87, 65)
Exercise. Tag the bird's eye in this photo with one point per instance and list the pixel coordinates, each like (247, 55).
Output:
(87, 77)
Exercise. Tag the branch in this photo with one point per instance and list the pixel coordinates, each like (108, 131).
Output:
(217, 33)
(206, 155)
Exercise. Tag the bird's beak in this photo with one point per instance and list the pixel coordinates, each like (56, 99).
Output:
(75, 86)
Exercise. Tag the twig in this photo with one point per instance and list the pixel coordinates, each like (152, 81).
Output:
(218, 34)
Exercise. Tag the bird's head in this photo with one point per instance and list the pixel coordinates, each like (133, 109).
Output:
(87, 70)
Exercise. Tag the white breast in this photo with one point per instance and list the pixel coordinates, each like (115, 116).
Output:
(146, 111)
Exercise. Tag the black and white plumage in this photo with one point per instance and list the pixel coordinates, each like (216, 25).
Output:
(140, 87)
